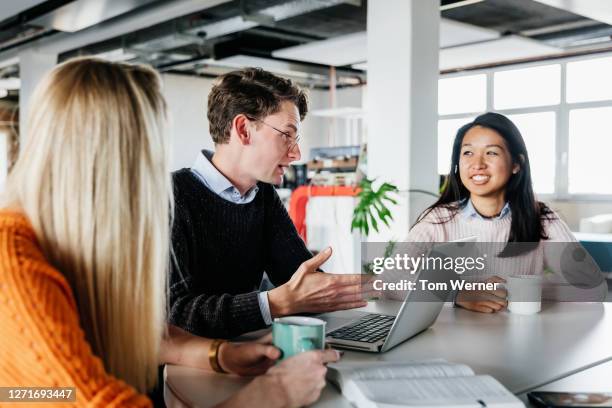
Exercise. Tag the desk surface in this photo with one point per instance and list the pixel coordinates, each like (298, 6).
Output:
(522, 352)
(595, 379)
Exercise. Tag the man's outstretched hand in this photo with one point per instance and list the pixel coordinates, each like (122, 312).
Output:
(312, 291)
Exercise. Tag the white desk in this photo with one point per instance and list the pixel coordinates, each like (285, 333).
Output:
(522, 352)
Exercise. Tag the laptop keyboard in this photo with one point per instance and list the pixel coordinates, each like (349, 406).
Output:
(368, 329)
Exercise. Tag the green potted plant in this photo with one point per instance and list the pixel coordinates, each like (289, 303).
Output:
(372, 206)
(371, 209)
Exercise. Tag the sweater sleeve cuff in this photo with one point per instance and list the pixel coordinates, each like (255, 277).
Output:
(264, 306)
(246, 314)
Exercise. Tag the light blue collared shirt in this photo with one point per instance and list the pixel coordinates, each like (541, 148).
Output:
(216, 182)
(470, 212)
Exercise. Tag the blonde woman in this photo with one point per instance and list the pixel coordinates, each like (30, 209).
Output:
(84, 238)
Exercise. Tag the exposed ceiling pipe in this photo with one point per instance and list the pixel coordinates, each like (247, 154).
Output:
(238, 23)
(558, 28)
(156, 14)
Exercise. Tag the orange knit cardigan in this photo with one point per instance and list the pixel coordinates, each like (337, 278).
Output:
(41, 341)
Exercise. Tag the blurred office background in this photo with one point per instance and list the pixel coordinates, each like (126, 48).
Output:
(390, 82)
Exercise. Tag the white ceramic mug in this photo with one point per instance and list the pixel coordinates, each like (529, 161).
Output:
(524, 294)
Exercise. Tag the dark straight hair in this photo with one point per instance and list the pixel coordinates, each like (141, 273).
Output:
(528, 214)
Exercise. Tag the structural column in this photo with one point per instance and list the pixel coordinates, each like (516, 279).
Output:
(401, 103)
(32, 67)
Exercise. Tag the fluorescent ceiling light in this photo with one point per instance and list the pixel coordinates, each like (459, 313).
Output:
(241, 61)
(352, 48)
(9, 62)
(459, 4)
(119, 54)
(600, 10)
(589, 41)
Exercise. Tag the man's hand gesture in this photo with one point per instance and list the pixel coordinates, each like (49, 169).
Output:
(309, 290)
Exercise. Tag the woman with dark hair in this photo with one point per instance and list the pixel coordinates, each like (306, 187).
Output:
(489, 194)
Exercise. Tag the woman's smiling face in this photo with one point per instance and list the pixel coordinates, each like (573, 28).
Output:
(485, 163)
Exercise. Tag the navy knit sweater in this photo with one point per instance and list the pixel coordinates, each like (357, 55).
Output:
(221, 250)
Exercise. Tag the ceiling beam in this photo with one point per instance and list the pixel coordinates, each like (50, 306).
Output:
(600, 10)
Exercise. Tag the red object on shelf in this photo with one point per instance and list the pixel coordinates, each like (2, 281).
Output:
(299, 199)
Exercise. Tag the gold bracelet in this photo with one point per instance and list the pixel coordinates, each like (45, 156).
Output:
(213, 355)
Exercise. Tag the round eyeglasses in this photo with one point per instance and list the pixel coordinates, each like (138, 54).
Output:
(290, 139)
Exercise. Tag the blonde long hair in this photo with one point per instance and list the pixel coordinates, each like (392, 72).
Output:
(93, 179)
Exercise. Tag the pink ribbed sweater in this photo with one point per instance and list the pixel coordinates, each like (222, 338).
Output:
(546, 259)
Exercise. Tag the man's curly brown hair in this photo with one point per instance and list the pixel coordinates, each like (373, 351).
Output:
(252, 92)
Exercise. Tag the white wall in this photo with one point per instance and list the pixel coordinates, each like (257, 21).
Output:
(186, 97)
(314, 130)
(322, 131)
(33, 65)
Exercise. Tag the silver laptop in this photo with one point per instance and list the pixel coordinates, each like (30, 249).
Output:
(377, 333)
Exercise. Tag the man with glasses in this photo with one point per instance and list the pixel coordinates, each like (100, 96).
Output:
(230, 225)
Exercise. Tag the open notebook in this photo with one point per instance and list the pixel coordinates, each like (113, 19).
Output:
(419, 384)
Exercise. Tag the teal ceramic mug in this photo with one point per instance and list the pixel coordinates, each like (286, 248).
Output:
(296, 334)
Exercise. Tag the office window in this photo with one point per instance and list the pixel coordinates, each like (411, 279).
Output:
(539, 133)
(589, 80)
(590, 149)
(527, 87)
(569, 138)
(464, 94)
(447, 129)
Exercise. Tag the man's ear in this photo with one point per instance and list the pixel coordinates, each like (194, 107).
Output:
(240, 128)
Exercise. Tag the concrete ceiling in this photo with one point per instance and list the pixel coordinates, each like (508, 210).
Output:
(196, 36)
